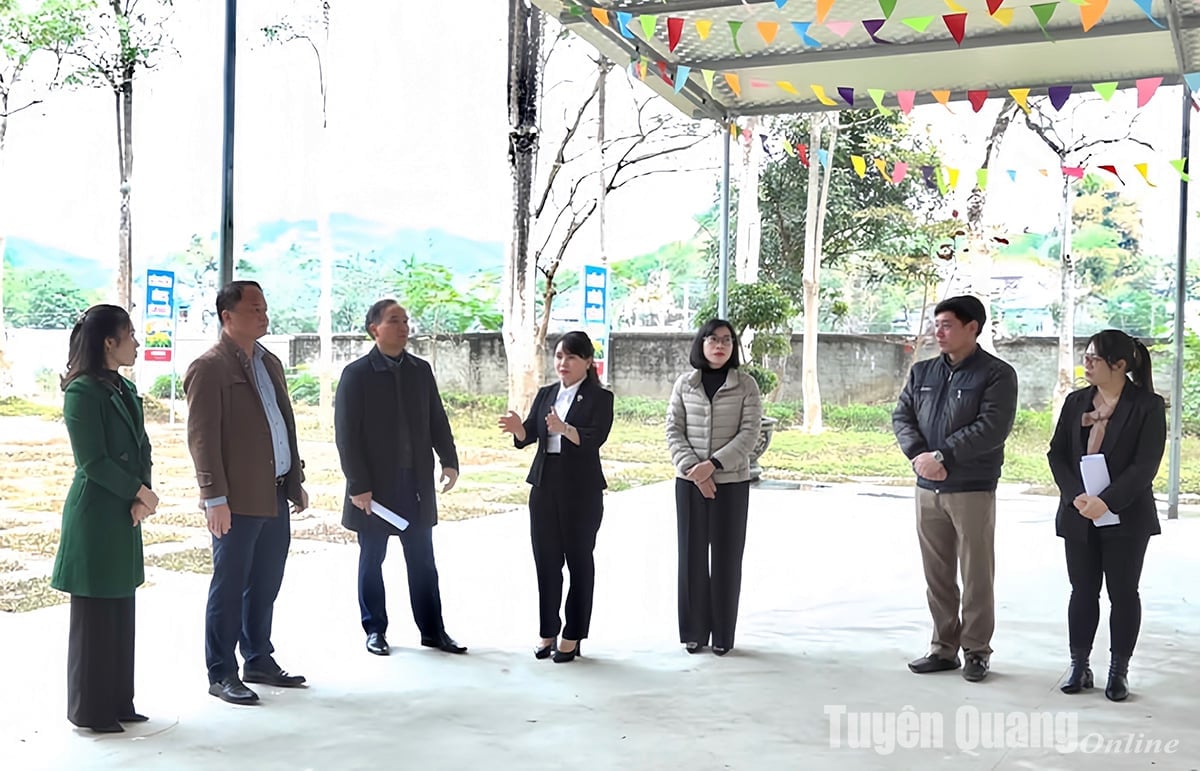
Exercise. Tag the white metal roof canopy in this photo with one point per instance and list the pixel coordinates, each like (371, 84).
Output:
(776, 50)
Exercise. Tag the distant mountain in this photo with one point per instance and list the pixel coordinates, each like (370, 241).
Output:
(88, 273)
(351, 235)
(391, 245)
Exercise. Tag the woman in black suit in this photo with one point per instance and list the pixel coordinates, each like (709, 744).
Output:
(569, 420)
(1120, 417)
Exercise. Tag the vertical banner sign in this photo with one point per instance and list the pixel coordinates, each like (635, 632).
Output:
(595, 314)
(159, 317)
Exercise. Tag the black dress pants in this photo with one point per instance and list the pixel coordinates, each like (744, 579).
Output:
(1116, 560)
(563, 522)
(100, 661)
(712, 538)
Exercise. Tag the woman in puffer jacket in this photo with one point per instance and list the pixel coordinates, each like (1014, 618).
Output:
(712, 426)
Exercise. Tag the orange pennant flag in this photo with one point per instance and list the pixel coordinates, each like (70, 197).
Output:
(1144, 170)
(823, 9)
(1021, 97)
(1090, 14)
(943, 98)
(768, 30)
(881, 164)
(601, 15)
(735, 83)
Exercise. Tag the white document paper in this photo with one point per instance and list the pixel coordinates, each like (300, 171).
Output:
(1094, 470)
(387, 515)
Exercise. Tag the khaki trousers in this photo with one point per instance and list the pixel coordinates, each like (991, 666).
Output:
(957, 530)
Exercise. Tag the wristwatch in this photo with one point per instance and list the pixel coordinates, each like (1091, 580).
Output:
(937, 455)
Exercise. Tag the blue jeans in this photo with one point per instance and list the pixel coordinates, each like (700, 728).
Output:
(248, 564)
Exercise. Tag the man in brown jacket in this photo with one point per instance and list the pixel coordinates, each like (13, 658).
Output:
(242, 438)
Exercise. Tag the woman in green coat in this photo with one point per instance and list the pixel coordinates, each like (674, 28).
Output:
(99, 560)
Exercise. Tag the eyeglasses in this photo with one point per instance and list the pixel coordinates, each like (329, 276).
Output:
(726, 340)
(1091, 358)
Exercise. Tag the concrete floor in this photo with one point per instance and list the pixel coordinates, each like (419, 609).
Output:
(832, 608)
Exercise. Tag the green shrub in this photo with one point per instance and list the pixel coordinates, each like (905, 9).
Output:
(640, 409)
(766, 379)
(305, 388)
(458, 403)
(787, 413)
(162, 387)
(858, 417)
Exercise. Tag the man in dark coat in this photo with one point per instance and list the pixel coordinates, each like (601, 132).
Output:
(389, 422)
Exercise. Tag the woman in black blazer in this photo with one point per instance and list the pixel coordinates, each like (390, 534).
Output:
(569, 420)
(1120, 417)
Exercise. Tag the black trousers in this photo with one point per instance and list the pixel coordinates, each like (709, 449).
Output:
(424, 593)
(563, 522)
(100, 661)
(1116, 560)
(248, 563)
(712, 538)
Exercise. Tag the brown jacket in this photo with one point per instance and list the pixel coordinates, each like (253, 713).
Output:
(228, 434)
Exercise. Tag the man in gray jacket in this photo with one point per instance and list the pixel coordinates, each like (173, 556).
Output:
(952, 420)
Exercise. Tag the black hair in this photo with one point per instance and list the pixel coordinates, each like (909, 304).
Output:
(579, 344)
(230, 295)
(86, 354)
(966, 308)
(375, 313)
(1113, 345)
(697, 359)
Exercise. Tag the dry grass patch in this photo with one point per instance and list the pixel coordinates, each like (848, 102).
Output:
(196, 560)
(11, 566)
(329, 532)
(29, 594)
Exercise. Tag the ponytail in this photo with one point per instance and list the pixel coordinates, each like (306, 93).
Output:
(1139, 370)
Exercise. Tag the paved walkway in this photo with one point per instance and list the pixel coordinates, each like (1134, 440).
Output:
(832, 608)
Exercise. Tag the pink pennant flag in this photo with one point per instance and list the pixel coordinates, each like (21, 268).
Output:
(906, 99)
(839, 28)
(899, 172)
(1075, 172)
(1146, 88)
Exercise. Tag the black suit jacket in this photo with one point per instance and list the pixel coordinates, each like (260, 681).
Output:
(366, 420)
(591, 413)
(1133, 448)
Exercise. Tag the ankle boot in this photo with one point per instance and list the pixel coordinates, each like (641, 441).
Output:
(1080, 677)
(1118, 680)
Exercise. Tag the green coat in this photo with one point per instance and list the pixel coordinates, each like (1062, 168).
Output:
(100, 551)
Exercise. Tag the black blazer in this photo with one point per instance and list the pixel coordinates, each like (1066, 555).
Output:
(366, 417)
(1133, 447)
(591, 413)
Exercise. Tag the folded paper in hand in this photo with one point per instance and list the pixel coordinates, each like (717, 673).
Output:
(389, 516)
(1094, 470)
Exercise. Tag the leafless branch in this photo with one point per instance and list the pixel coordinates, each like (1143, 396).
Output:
(562, 148)
(11, 113)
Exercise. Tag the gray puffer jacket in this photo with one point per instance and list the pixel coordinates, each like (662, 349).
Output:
(725, 428)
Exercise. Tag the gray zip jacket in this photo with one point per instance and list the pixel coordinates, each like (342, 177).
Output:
(726, 428)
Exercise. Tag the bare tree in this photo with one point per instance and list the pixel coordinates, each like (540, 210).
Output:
(552, 202)
(313, 32)
(1072, 148)
(814, 239)
(121, 38)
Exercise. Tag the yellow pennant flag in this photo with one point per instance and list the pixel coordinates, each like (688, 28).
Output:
(789, 147)
(952, 177)
(860, 165)
(703, 27)
(1004, 16)
(881, 164)
(1021, 97)
(735, 83)
(819, 92)
(785, 85)
(1144, 170)
(955, 7)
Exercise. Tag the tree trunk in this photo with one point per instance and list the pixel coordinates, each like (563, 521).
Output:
(325, 239)
(520, 272)
(6, 383)
(1066, 327)
(749, 221)
(814, 236)
(124, 107)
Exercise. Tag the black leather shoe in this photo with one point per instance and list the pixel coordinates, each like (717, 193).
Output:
(1117, 688)
(543, 651)
(378, 644)
(933, 663)
(276, 677)
(1080, 677)
(232, 690)
(718, 650)
(976, 668)
(694, 647)
(133, 717)
(444, 643)
(562, 657)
